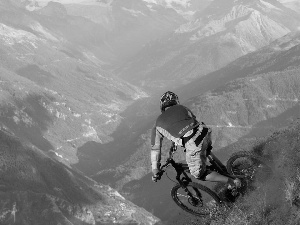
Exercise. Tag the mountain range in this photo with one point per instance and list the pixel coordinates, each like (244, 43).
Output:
(223, 32)
(80, 83)
(120, 28)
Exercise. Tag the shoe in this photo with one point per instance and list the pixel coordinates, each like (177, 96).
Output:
(236, 183)
(228, 195)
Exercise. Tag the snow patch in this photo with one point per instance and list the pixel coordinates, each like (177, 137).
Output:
(134, 12)
(151, 1)
(183, 3)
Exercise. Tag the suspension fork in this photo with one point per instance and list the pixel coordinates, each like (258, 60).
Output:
(184, 181)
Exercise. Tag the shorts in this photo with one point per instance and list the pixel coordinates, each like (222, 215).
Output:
(196, 154)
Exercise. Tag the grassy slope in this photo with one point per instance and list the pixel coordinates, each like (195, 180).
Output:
(276, 199)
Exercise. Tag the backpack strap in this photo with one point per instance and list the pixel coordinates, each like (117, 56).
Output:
(198, 139)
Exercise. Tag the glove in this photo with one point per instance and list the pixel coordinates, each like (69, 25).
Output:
(155, 175)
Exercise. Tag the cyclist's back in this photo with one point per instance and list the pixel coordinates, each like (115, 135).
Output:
(175, 122)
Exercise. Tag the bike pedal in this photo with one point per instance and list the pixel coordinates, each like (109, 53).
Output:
(234, 192)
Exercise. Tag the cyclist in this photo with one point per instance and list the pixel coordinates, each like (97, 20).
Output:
(178, 124)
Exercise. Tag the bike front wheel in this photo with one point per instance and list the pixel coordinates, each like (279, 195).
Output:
(246, 164)
(195, 198)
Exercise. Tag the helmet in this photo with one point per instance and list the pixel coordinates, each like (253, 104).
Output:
(168, 99)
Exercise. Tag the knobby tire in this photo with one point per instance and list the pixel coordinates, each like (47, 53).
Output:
(205, 209)
(231, 167)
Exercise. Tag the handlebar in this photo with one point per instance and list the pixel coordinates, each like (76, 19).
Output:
(162, 170)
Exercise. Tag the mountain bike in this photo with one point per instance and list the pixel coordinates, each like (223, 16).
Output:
(200, 200)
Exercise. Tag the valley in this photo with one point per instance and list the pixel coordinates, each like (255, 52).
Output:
(80, 83)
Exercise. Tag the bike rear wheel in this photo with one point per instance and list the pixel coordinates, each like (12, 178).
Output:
(195, 198)
(246, 164)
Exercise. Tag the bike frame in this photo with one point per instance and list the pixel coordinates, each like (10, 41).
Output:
(180, 168)
(185, 180)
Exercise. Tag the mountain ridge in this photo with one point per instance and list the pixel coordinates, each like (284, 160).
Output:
(207, 44)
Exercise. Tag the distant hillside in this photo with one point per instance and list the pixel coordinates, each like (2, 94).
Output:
(223, 32)
(51, 84)
(234, 109)
(112, 30)
(36, 189)
(280, 55)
